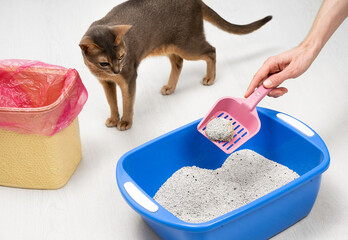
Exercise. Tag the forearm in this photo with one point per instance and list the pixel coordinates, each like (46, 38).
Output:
(329, 17)
(296, 61)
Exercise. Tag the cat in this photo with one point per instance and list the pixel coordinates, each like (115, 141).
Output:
(114, 46)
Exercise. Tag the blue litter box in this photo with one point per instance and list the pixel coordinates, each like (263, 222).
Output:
(142, 171)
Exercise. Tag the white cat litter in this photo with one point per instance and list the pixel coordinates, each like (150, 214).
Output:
(198, 195)
(220, 129)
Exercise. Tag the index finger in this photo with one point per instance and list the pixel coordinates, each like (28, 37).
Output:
(260, 75)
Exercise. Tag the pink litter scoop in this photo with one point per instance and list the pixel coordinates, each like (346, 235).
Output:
(242, 112)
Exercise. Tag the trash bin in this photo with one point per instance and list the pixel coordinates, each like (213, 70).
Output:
(40, 143)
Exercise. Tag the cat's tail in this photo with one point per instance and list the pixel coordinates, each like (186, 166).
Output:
(211, 16)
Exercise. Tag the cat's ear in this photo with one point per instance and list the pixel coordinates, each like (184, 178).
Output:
(119, 31)
(88, 46)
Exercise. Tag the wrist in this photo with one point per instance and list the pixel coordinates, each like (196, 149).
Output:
(312, 46)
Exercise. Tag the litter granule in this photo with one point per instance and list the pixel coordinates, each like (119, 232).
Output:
(219, 129)
(198, 195)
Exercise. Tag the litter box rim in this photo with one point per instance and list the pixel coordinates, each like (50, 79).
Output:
(163, 216)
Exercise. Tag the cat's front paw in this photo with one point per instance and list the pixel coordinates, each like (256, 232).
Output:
(111, 122)
(207, 81)
(167, 90)
(124, 125)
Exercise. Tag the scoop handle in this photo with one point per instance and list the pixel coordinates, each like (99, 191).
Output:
(257, 96)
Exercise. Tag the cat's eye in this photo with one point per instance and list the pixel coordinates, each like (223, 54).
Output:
(104, 64)
(121, 57)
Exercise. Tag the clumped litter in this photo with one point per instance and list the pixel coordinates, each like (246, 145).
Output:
(220, 129)
(197, 195)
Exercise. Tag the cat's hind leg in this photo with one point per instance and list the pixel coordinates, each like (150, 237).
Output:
(176, 62)
(110, 93)
(203, 51)
(210, 58)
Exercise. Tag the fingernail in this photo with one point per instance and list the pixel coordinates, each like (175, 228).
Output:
(267, 83)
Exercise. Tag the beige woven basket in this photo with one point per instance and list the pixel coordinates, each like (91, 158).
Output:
(39, 162)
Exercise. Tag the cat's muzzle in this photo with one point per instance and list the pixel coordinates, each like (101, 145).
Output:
(116, 71)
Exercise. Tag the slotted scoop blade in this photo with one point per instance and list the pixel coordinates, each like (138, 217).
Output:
(242, 112)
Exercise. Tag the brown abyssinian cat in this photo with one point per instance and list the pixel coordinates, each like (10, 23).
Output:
(114, 46)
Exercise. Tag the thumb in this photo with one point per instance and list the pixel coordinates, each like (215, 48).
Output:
(276, 79)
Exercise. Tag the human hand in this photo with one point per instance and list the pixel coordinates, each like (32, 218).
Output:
(277, 69)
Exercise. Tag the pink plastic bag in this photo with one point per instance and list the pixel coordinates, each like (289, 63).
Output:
(39, 98)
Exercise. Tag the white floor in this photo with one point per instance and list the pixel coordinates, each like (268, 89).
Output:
(90, 206)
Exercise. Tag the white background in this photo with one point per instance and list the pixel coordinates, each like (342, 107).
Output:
(90, 205)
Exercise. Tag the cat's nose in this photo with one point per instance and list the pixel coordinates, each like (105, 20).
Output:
(116, 71)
